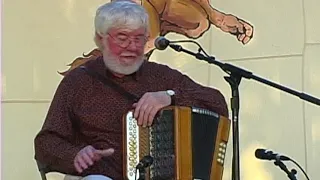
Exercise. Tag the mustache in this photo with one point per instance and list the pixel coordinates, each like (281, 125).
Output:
(128, 54)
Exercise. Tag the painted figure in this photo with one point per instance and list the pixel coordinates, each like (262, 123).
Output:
(191, 18)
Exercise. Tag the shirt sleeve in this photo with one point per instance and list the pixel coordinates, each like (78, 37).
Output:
(56, 144)
(190, 93)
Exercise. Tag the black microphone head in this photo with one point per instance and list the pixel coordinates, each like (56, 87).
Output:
(161, 43)
(260, 153)
(269, 155)
(148, 160)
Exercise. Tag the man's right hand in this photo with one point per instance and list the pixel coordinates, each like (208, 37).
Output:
(88, 155)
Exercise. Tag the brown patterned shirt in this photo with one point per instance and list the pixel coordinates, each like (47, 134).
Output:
(86, 112)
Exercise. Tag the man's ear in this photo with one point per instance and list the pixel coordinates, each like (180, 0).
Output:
(148, 33)
(99, 40)
(98, 37)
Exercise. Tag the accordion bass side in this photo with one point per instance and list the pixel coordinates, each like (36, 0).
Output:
(186, 143)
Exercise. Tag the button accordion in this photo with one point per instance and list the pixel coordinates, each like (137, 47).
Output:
(186, 143)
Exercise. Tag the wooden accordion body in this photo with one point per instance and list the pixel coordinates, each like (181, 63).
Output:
(186, 143)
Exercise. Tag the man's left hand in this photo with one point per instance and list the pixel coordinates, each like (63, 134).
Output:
(148, 106)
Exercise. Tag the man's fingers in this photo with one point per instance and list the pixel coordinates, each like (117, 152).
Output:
(77, 166)
(146, 116)
(90, 152)
(81, 162)
(138, 107)
(87, 159)
(142, 112)
(84, 158)
(147, 107)
(105, 152)
(152, 115)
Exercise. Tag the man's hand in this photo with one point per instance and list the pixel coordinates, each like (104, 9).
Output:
(88, 155)
(148, 106)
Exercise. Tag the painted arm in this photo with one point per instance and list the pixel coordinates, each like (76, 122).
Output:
(228, 22)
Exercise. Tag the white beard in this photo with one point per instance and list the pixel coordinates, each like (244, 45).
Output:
(113, 64)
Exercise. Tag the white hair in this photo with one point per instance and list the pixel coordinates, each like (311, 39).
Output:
(119, 14)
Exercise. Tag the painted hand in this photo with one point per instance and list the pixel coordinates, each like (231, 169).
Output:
(88, 155)
(241, 29)
(148, 106)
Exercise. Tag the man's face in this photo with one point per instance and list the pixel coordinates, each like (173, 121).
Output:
(125, 48)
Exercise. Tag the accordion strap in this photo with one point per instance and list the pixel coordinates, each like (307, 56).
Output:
(108, 82)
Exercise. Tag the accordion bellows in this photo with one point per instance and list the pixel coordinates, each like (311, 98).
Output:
(186, 143)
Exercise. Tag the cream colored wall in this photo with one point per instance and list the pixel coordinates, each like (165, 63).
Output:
(42, 37)
(39, 39)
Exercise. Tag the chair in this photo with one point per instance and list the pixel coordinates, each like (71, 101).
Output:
(43, 169)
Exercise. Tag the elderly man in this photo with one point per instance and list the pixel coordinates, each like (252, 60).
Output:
(82, 132)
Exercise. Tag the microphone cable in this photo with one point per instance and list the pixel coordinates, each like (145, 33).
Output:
(135, 174)
(191, 41)
(299, 168)
(200, 49)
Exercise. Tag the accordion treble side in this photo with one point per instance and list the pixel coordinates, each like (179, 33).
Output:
(186, 143)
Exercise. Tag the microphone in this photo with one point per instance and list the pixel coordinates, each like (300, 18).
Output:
(145, 162)
(269, 155)
(161, 43)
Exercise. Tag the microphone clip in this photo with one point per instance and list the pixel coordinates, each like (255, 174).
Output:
(145, 162)
(291, 174)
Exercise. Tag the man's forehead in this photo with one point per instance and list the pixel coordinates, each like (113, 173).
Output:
(138, 31)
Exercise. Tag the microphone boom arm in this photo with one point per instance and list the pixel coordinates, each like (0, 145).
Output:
(229, 68)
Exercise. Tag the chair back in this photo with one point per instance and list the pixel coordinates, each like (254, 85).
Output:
(43, 169)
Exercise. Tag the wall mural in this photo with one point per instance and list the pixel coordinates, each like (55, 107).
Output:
(190, 18)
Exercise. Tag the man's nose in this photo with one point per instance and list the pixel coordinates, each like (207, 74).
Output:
(132, 46)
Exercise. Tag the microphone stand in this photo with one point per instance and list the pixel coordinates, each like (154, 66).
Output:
(291, 175)
(142, 173)
(234, 79)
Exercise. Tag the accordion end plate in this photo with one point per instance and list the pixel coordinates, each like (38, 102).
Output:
(222, 153)
(132, 139)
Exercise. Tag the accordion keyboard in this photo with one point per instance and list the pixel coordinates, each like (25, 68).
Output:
(162, 148)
